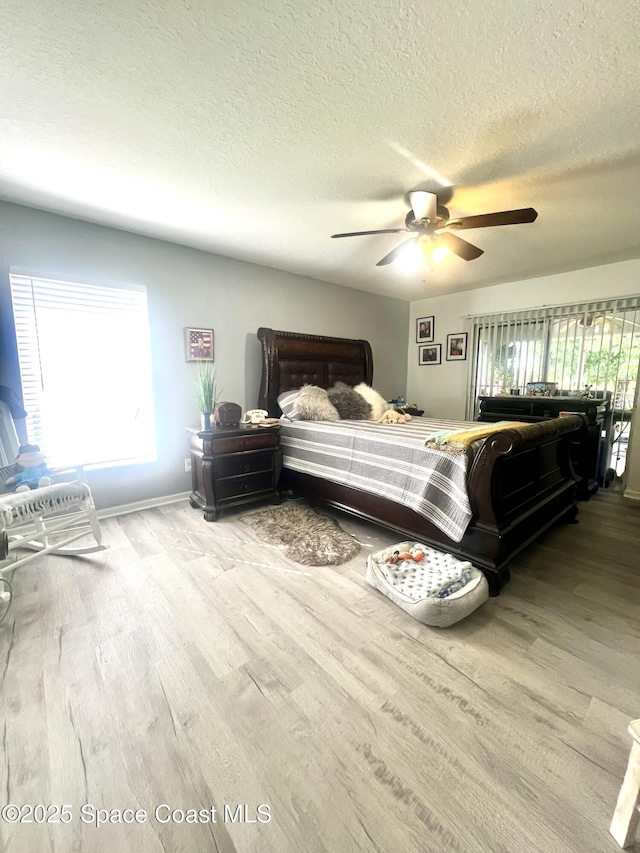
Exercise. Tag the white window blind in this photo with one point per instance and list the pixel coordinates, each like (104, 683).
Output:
(589, 347)
(85, 365)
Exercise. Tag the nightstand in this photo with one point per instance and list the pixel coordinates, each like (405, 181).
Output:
(234, 465)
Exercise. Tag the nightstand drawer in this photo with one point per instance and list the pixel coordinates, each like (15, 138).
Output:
(257, 440)
(235, 487)
(233, 466)
(243, 463)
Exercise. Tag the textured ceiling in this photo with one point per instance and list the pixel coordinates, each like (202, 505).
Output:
(257, 129)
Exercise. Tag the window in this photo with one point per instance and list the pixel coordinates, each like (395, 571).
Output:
(590, 348)
(85, 365)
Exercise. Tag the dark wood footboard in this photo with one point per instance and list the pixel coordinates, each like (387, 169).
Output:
(520, 483)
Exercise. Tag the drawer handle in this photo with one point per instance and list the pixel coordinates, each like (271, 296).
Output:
(246, 467)
(245, 487)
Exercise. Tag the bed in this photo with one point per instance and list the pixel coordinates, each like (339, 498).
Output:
(519, 481)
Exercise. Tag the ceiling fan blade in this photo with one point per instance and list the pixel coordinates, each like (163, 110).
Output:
(364, 233)
(486, 220)
(459, 247)
(394, 253)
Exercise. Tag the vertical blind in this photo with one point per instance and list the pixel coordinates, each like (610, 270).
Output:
(585, 348)
(85, 365)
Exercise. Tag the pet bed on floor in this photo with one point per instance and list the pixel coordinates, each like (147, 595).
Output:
(437, 589)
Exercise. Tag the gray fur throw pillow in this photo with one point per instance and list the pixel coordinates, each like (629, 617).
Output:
(309, 403)
(314, 405)
(350, 405)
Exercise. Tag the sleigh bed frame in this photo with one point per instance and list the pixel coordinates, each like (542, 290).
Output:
(520, 482)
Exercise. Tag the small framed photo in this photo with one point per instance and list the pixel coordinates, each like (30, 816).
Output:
(430, 354)
(425, 329)
(457, 346)
(198, 344)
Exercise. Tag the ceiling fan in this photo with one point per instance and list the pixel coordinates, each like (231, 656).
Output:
(428, 219)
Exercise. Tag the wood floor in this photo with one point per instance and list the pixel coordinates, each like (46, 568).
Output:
(190, 667)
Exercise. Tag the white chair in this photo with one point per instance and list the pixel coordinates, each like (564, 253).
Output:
(626, 816)
(47, 520)
(9, 442)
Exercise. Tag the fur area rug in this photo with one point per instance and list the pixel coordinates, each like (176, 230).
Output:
(304, 535)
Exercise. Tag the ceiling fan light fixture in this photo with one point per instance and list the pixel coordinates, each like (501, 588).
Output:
(417, 254)
(439, 253)
(411, 257)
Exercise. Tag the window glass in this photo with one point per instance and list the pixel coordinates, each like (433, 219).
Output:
(85, 365)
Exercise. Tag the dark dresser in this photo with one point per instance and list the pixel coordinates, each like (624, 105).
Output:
(590, 455)
(234, 465)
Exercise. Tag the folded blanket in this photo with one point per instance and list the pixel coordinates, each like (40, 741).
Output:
(437, 576)
(459, 440)
(21, 507)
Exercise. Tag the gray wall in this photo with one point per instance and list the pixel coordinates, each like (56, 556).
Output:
(187, 287)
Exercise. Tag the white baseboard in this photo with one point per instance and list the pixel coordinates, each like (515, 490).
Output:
(150, 503)
(632, 495)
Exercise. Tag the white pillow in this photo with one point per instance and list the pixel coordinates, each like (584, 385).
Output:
(377, 402)
(287, 402)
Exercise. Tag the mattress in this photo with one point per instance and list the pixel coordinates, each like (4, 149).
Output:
(388, 460)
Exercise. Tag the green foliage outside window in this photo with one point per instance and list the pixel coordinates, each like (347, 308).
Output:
(604, 361)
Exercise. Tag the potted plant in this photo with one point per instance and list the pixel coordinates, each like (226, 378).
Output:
(206, 392)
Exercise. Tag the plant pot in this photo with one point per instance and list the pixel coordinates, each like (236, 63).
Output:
(205, 421)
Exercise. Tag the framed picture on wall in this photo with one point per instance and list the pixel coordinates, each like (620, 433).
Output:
(430, 354)
(425, 329)
(457, 346)
(198, 344)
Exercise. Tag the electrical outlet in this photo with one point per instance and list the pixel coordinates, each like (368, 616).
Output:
(187, 464)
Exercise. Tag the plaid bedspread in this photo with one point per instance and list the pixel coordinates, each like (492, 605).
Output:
(389, 460)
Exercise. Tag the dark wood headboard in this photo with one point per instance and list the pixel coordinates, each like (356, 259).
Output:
(289, 360)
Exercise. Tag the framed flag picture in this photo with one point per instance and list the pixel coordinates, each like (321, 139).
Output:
(199, 344)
